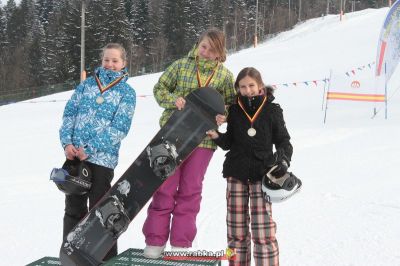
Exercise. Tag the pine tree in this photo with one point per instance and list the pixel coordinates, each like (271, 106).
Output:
(9, 9)
(45, 9)
(217, 11)
(128, 9)
(251, 19)
(96, 33)
(3, 30)
(232, 27)
(117, 22)
(43, 46)
(196, 22)
(36, 47)
(32, 24)
(37, 62)
(20, 31)
(52, 53)
(174, 28)
(202, 20)
(141, 31)
(15, 27)
(157, 48)
(68, 41)
(3, 49)
(140, 22)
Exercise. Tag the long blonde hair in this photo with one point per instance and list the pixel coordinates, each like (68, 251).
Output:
(217, 42)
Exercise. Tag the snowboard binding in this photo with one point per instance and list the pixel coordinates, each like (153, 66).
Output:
(162, 158)
(112, 216)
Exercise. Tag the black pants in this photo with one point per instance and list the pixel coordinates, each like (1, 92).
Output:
(76, 205)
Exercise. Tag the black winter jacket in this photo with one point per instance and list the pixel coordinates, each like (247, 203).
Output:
(249, 158)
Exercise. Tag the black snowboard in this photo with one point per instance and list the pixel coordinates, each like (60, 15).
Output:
(96, 233)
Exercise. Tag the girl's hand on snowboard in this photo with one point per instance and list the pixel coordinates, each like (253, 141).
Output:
(212, 134)
(180, 103)
(70, 152)
(220, 119)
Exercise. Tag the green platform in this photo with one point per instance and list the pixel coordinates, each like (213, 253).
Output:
(133, 257)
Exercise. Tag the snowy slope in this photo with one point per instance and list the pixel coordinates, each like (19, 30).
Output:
(348, 210)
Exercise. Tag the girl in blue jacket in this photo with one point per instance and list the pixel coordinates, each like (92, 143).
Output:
(96, 118)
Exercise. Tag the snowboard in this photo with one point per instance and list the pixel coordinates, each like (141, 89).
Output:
(92, 238)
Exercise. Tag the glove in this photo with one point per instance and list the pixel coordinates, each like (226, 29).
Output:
(281, 164)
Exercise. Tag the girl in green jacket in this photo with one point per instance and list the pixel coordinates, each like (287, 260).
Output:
(179, 197)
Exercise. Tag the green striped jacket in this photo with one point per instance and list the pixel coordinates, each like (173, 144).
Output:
(180, 78)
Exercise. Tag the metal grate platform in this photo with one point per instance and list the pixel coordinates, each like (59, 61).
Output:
(134, 257)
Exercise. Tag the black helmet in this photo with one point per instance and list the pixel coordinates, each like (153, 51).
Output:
(73, 178)
(279, 189)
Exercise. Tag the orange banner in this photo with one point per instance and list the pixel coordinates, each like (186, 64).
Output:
(356, 97)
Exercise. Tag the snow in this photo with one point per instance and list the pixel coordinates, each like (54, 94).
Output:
(348, 210)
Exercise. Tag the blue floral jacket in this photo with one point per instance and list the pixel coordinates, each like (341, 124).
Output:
(98, 121)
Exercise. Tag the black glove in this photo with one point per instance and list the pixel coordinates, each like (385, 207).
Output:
(281, 164)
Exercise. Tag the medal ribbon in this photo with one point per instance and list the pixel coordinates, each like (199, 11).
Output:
(111, 84)
(255, 116)
(199, 76)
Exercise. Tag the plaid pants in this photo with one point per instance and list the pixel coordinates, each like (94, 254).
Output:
(263, 227)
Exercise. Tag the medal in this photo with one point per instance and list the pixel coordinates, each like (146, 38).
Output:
(99, 100)
(251, 132)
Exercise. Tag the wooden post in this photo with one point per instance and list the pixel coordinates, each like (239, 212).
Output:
(255, 25)
(83, 75)
(341, 9)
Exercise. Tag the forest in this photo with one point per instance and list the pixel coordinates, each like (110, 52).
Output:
(40, 40)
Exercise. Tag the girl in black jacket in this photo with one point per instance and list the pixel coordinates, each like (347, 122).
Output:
(255, 124)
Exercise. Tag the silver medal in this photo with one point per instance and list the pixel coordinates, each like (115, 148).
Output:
(251, 132)
(99, 100)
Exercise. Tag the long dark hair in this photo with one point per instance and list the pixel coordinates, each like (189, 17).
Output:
(256, 75)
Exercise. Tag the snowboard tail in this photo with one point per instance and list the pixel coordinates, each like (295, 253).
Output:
(96, 233)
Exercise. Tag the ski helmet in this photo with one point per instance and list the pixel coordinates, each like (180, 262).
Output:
(73, 178)
(279, 189)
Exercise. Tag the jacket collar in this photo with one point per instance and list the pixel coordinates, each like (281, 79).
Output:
(106, 76)
(251, 104)
(204, 64)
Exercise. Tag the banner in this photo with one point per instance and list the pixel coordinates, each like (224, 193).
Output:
(389, 43)
(362, 86)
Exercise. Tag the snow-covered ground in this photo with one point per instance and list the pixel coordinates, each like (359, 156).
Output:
(348, 212)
